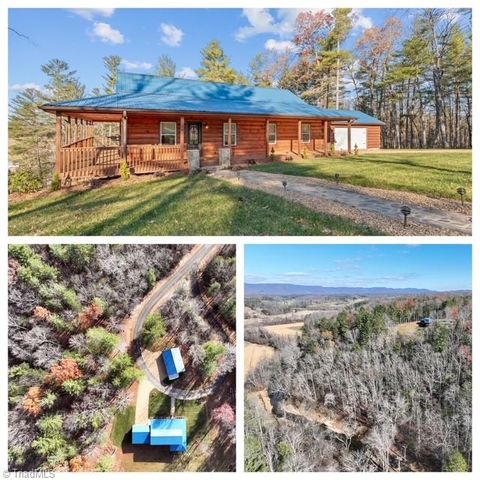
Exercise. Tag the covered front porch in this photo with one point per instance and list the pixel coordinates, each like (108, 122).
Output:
(95, 144)
(85, 151)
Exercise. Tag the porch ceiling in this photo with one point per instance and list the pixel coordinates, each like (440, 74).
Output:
(92, 116)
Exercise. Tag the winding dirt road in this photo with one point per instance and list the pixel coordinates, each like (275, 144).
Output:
(159, 294)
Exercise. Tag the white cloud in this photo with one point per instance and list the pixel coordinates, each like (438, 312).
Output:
(107, 34)
(135, 65)
(20, 87)
(279, 45)
(261, 21)
(360, 21)
(91, 13)
(186, 72)
(172, 35)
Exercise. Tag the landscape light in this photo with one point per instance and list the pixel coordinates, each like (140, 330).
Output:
(284, 183)
(461, 191)
(406, 212)
(337, 178)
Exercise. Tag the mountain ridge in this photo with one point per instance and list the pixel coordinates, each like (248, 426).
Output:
(288, 289)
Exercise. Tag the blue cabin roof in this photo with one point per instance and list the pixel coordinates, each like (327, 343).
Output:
(170, 432)
(361, 118)
(173, 363)
(141, 434)
(149, 92)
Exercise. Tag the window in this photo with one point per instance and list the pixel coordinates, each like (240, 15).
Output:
(168, 133)
(225, 134)
(305, 132)
(272, 133)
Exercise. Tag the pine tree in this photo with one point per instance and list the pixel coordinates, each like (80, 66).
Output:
(111, 64)
(215, 66)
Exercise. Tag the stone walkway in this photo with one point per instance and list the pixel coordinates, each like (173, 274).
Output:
(316, 188)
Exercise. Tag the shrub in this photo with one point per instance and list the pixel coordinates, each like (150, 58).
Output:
(214, 288)
(76, 256)
(24, 181)
(90, 315)
(42, 314)
(65, 369)
(50, 425)
(124, 170)
(74, 387)
(457, 463)
(214, 351)
(56, 183)
(151, 279)
(153, 332)
(105, 464)
(101, 342)
(32, 403)
(69, 298)
(123, 372)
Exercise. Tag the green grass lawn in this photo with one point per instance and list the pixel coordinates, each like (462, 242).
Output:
(435, 173)
(122, 425)
(196, 205)
(192, 410)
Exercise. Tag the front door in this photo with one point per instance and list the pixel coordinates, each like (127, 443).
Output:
(194, 136)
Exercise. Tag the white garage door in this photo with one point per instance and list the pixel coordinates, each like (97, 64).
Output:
(359, 137)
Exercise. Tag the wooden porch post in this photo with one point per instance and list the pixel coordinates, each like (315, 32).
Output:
(325, 137)
(58, 143)
(266, 137)
(182, 137)
(69, 131)
(349, 136)
(299, 137)
(123, 136)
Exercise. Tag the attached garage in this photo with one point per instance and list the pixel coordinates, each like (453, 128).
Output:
(366, 131)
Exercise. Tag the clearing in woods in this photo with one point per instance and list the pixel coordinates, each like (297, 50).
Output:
(254, 353)
(285, 329)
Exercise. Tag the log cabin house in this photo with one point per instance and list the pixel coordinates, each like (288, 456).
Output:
(168, 124)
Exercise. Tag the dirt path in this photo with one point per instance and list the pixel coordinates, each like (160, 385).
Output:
(362, 205)
(145, 387)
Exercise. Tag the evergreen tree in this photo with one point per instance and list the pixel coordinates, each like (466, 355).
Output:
(111, 64)
(215, 65)
(32, 131)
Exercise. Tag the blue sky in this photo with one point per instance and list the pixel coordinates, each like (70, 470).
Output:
(436, 267)
(83, 36)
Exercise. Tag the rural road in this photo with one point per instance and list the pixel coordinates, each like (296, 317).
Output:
(160, 293)
(317, 189)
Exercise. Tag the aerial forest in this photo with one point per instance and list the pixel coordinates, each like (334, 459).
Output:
(69, 367)
(366, 390)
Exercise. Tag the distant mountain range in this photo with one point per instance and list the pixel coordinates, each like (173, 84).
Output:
(288, 289)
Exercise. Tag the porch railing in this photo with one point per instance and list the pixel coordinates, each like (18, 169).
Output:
(153, 158)
(90, 162)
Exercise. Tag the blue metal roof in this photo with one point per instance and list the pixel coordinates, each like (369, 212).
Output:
(173, 363)
(149, 92)
(169, 431)
(141, 434)
(361, 118)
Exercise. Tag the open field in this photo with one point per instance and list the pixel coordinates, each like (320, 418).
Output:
(254, 354)
(285, 329)
(434, 173)
(179, 205)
